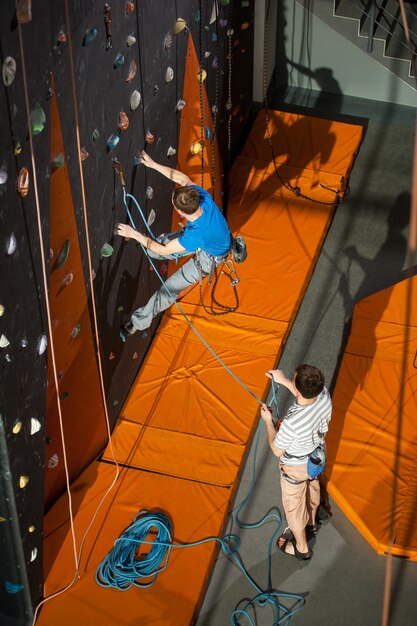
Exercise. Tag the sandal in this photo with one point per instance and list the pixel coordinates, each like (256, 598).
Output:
(300, 556)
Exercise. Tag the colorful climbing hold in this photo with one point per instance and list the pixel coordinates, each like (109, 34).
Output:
(130, 41)
(120, 308)
(112, 142)
(9, 71)
(111, 356)
(42, 344)
(61, 37)
(167, 41)
(35, 425)
(63, 255)
(201, 76)
(149, 192)
(119, 60)
(24, 343)
(115, 402)
(169, 74)
(208, 133)
(214, 37)
(132, 71)
(180, 24)
(84, 154)
(76, 331)
(23, 481)
(106, 250)
(171, 151)
(33, 554)
(123, 122)
(149, 138)
(245, 25)
(58, 161)
(180, 105)
(222, 23)
(2, 310)
(11, 245)
(68, 279)
(95, 134)
(89, 36)
(151, 217)
(135, 356)
(3, 175)
(129, 8)
(37, 119)
(53, 461)
(64, 395)
(31, 528)
(196, 147)
(12, 587)
(215, 63)
(17, 427)
(23, 182)
(107, 24)
(135, 100)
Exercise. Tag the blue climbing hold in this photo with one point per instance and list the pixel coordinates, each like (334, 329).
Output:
(12, 587)
(119, 60)
(112, 142)
(89, 36)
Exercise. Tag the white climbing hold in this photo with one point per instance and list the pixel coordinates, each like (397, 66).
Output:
(135, 100)
(169, 74)
(53, 461)
(42, 344)
(149, 192)
(4, 342)
(180, 105)
(11, 245)
(171, 151)
(130, 41)
(35, 425)
(33, 554)
(151, 217)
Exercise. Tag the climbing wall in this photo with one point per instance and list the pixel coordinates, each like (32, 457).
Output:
(184, 429)
(129, 70)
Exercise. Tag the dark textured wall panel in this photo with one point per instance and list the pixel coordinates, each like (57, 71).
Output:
(123, 281)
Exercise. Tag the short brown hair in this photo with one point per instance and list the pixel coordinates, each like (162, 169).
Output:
(186, 199)
(309, 380)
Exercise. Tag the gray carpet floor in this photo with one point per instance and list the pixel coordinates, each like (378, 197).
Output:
(364, 252)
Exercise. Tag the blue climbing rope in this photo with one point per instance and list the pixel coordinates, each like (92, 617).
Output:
(199, 335)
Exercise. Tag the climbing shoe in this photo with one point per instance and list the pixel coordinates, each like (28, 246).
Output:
(126, 330)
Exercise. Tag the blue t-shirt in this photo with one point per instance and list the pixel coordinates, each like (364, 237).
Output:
(209, 232)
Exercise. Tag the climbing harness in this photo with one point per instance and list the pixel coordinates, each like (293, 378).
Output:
(296, 190)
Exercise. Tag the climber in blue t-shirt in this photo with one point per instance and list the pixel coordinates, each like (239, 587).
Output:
(206, 234)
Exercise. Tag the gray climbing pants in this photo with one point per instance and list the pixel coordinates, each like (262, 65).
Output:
(187, 275)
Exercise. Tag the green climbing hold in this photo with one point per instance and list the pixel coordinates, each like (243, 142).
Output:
(106, 250)
(96, 134)
(224, 3)
(75, 331)
(120, 308)
(89, 36)
(63, 255)
(119, 60)
(64, 395)
(37, 119)
(58, 161)
(115, 402)
(245, 3)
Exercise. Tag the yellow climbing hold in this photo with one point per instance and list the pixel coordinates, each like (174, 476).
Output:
(180, 24)
(196, 147)
(31, 528)
(17, 427)
(23, 481)
(201, 76)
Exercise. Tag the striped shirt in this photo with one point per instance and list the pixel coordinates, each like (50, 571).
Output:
(303, 428)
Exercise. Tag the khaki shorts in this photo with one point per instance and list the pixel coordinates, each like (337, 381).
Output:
(299, 501)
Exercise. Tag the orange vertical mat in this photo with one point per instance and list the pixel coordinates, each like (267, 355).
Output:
(79, 387)
(375, 410)
(184, 429)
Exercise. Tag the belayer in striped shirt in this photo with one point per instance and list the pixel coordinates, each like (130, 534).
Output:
(302, 431)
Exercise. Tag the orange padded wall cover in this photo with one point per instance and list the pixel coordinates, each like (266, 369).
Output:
(79, 387)
(374, 420)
